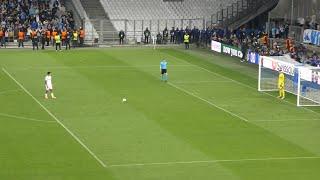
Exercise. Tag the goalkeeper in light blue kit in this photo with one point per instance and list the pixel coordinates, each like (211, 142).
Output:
(163, 70)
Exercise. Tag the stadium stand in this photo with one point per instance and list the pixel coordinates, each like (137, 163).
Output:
(241, 12)
(167, 14)
(80, 15)
(154, 9)
(25, 15)
(95, 11)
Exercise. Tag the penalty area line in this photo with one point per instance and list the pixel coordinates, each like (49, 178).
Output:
(55, 118)
(284, 120)
(214, 161)
(9, 91)
(115, 67)
(209, 102)
(25, 118)
(202, 82)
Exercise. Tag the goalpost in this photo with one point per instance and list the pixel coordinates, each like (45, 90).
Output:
(302, 81)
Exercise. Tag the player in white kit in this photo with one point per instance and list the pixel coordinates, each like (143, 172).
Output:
(48, 86)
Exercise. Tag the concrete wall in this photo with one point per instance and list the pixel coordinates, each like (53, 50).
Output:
(301, 9)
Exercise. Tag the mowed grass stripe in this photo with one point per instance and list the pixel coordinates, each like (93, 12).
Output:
(99, 84)
(119, 58)
(279, 138)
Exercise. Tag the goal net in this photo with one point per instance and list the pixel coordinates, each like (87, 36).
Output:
(308, 93)
(302, 81)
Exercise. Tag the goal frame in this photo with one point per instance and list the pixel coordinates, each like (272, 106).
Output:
(298, 70)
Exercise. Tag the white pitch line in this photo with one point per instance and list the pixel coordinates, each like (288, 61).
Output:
(95, 67)
(209, 102)
(200, 82)
(55, 118)
(214, 161)
(7, 91)
(284, 120)
(25, 118)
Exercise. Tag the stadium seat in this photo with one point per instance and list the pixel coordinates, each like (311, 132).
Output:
(155, 9)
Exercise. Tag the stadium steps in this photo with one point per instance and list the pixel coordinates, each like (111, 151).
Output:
(77, 18)
(251, 11)
(100, 19)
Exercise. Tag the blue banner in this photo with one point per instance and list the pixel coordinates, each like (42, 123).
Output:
(311, 37)
(253, 57)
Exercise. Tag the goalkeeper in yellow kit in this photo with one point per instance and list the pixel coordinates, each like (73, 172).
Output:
(281, 81)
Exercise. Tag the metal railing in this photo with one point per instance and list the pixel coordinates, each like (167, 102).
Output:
(238, 11)
(229, 12)
(107, 31)
(296, 33)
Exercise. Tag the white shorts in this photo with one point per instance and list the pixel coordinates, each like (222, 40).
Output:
(48, 87)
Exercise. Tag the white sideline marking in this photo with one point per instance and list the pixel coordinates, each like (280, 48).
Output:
(7, 91)
(25, 118)
(93, 67)
(212, 104)
(213, 161)
(199, 82)
(55, 118)
(284, 120)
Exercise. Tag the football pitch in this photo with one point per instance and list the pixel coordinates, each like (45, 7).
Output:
(207, 122)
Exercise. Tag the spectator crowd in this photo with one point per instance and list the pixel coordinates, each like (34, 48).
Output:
(41, 21)
(24, 20)
(276, 43)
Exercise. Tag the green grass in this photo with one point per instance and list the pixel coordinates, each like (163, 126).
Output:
(208, 122)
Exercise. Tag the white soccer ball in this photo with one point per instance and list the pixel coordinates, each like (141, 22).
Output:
(124, 100)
